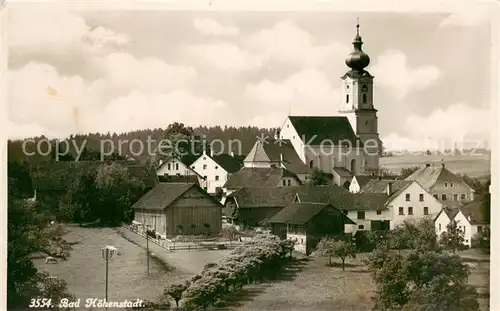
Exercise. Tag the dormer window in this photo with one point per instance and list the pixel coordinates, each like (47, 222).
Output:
(204, 166)
(347, 98)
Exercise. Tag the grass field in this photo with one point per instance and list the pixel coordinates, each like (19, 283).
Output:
(311, 285)
(84, 271)
(472, 165)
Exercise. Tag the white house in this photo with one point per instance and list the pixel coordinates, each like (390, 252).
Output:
(175, 166)
(443, 184)
(215, 169)
(469, 219)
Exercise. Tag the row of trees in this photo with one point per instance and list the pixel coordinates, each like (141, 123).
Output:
(255, 260)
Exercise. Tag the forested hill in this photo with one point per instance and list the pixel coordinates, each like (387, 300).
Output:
(246, 135)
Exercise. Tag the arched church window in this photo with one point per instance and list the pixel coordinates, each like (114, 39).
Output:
(311, 164)
(353, 167)
(347, 98)
(365, 98)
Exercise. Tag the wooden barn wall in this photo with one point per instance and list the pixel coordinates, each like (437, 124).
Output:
(194, 208)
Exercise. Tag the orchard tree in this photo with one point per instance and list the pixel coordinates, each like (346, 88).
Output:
(453, 238)
(176, 290)
(331, 248)
(230, 233)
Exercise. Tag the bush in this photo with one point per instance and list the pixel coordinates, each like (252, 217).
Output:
(253, 261)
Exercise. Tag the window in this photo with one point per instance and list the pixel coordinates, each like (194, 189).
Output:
(436, 196)
(421, 197)
(379, 212)
(455, 197)
(426, 210)
(463, 229)
(401, 210)
(311, 164)
(443, 197)
(361, 214)
(361, 227)
(345, 212)
(289, 182)
(466, 241)
(407, 197)
(284, 182)
(365, 98)
(168, 166)
(462, 196)
(192, 167)
(204, 166)
(347, 98)
(176, 166)
(410, 210)
(204, 158)
(439, 227)
(445, 184)
(288, 125)
(479, 228)
(451, 184)
(205, 177)
(216, 167)
(216, 177)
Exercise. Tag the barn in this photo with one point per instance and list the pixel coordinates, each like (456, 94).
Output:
(179, 209)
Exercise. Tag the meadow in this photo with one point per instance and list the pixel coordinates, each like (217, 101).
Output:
(473, 165)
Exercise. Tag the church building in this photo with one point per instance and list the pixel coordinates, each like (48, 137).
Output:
(349, 141)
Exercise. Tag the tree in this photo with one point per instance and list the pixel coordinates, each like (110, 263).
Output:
(319, 178)
(407, 171)
(482, 239)
(230, 233)
(422, 280)
(288, 246)
(384, 172)
(30, 232)
(331, 248)
(176, 290)
(453, 238)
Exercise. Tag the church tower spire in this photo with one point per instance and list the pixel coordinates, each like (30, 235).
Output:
(357, 103)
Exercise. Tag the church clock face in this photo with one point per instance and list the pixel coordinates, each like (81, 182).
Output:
(364, 87)
(347, 87)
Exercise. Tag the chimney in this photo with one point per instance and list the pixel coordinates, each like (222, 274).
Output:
(211, 153)
(232, 154)
(389, 188)
(442, 163)
(161, 162)
(427, 165)
(469, 218)
(281, 157)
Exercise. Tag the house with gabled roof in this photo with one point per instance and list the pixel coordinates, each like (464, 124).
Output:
(260, 177)
(469, 218)
(215, 169)
(308, 223)
(443, 184)
(278, 153)
(179, 209)
(176, 165)
(405, 199)
(252, 206)
(358, 182)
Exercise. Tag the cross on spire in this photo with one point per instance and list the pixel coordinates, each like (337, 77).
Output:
(357, 26)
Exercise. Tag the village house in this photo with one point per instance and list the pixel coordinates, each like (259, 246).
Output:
(358, 182)
(215, 169)
(260, 177)
(308, 223)
(278, 153)
(443, 184)
(367, 211)
(469, 218)
(252, 206)
(176, 165)
(52, 180)
(406, 200)
(172, 209)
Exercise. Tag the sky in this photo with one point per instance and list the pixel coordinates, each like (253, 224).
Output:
(98, 71)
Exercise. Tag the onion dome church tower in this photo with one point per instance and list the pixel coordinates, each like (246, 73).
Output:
(357, 104)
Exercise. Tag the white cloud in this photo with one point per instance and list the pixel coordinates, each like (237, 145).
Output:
(285, 42)
(60, 105)
(466, 17)
(393, 72)
(212, 27)
(57, 30)
(126, 72)
(225, 57)
(307, 92)
(458, 125)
